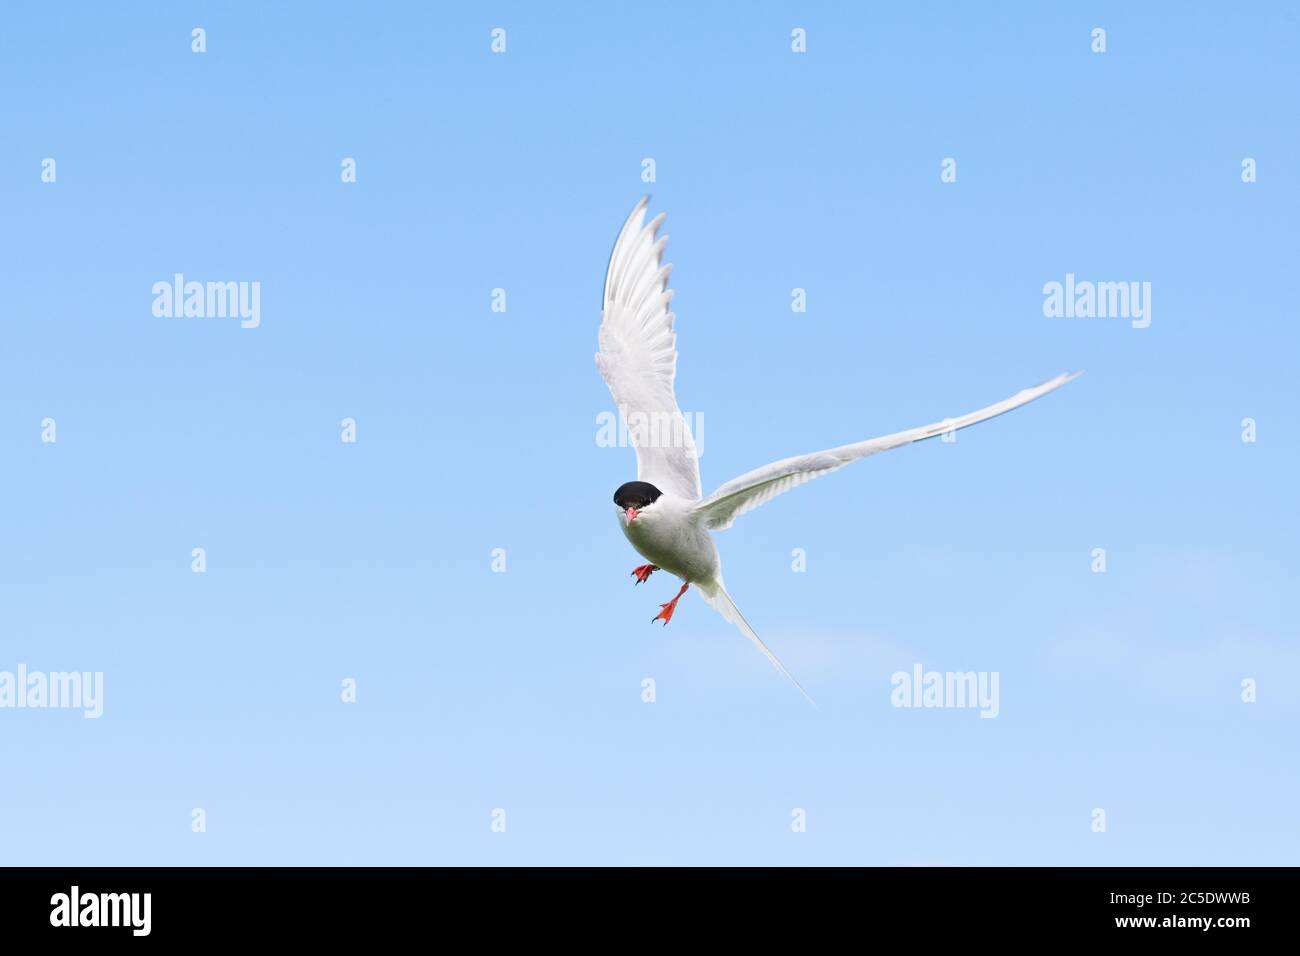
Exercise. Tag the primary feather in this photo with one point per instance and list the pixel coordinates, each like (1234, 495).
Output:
(761, 485)
(638, 357)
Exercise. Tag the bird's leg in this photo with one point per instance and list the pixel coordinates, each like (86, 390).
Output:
(666, 614)
(643, 571)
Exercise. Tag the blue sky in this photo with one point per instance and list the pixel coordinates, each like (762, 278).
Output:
(477, 430)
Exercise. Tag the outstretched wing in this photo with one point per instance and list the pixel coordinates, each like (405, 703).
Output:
(753, 488)
(638, 357)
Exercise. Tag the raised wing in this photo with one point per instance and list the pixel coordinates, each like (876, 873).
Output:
(638, 357)
(753, 488)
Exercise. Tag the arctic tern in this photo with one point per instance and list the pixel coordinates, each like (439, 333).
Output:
(664, 513)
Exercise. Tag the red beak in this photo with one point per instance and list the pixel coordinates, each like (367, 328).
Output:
(630, 514)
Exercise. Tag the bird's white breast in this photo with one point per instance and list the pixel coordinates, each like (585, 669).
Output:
(667, 535)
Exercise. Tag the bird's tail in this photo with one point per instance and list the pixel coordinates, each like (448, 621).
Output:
(718, 598)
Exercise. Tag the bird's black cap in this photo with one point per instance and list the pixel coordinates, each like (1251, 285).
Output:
(636, 494)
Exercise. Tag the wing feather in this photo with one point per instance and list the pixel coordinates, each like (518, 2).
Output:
(638, 356)
(761, 485)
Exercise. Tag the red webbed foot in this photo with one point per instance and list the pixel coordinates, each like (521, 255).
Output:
(666, 612)
(642, 572)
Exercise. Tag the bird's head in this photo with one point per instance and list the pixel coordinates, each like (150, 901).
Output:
(634, 497)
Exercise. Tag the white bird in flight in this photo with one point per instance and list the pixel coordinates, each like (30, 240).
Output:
(664, 512)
